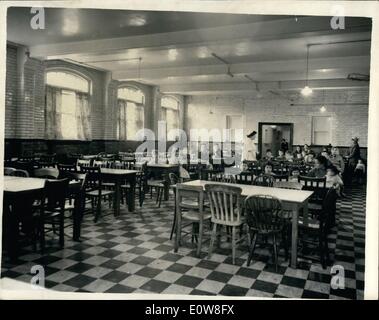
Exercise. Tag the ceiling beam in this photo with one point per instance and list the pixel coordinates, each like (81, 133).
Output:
(329, 84)
(258, 31)
(245, 68)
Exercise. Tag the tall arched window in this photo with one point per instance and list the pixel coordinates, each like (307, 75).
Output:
(170, 112)
(67, 107)
(131, 102)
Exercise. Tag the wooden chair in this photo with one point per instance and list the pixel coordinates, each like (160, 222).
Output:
(320, 227)
(65, 169)
(141, 184)
(281, 177)
(225, 205)
(264, 180)
(174, 180)
(264, 218)
(20, 173)
(190, 207)
(83, 163)
(8, 171)
(47, 173)
(245, 177)
(52, 208)
(318, 186)
(41, 164)
(94, 190)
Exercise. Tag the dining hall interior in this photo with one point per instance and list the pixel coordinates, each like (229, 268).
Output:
(186, 153)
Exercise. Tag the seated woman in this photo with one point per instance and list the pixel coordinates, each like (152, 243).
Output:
(319, 170)
(289, 156)
(297, 154)
(280, 156)
(359, 171)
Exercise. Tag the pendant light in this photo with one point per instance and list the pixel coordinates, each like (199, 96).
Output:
(306, 91)
(323, 107)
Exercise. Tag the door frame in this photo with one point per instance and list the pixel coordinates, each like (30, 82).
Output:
(261, 124)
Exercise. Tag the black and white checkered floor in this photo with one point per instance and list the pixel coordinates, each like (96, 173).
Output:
(133, 254)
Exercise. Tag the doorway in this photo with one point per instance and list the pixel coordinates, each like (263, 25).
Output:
(270, 135)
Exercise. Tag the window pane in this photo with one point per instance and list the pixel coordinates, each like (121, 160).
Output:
(169, 102)
(131, 94)
(67, 80)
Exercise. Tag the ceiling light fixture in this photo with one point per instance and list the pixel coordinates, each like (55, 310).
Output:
(323, 107)
(306, 91)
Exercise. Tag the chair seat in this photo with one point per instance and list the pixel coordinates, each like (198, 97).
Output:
(95, 193)
(230, 223)
(312, 223)
(108, 184)
(195, 216)
(156, 183)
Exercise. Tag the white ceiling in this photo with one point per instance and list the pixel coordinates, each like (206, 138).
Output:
(176, 48)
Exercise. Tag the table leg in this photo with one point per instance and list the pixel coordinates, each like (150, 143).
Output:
(117, 198)
(295, 218)
(78, 215)
(166, 186)
(131, 193)
(305, 213)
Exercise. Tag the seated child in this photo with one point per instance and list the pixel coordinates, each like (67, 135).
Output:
(289, 156)
(268, 156)
(332, 176)
(268, 169)
(360, 170)
(280, 156)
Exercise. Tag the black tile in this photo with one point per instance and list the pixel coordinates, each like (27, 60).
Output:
(115, 276)
(345, 293)
(179, 268)
(79, 281)
(219, 276)
(201, 293)
(293, 282)
(142, 260)
(164, 248)
(188, 281)
(118, 288)
(206, 264)
(79, 256)
(155, 286)
(171, 257)
(79, 267)
(249, 273)
(138, 250)
(264, 286)
(110, 253)
(319, 277)
(148, 272)
(307, 294)
(230, 290)
(108, 244)
(112, 264)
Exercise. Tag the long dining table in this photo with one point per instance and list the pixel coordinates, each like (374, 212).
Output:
(19, 193)
(292, 200)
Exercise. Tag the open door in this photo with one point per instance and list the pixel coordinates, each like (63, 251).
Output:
(270, 135)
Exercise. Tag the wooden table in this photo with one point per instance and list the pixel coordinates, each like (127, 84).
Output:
(292, 200)
(120, 176)
(18, 191)
(163, 169)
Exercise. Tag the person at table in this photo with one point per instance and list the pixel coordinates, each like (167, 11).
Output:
(284, 145)
(319, 170)
(268, 156)
(297, 154)
(333, 177)
(250, 150)
(280, 156)
(288, 156)
(268, 169)
(336, 159)
(325, 154)
(306, 149)
(309, 158)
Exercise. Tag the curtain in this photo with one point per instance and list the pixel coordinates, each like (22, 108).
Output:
(53, 109)
(121, 122)
(83, 118)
